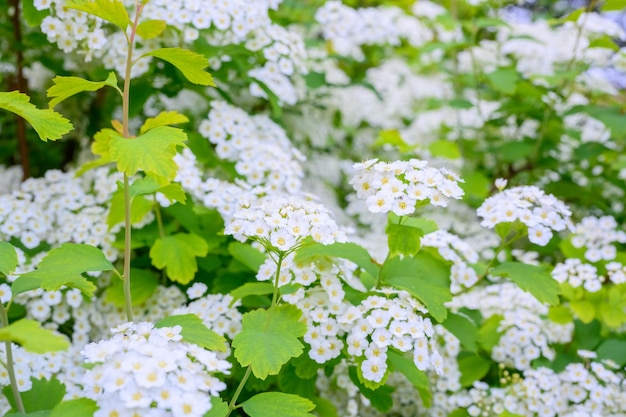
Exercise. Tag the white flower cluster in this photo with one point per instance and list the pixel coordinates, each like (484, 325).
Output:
(579, 390)
(263, 154)
(10, 178)
(348, 29)
(576, 273)
(398, 186)
(460, 253)
(542, 213)
(101, 313)
(282, 223)
(151, 372)
(379, 323)
(215, 311)
(526, 334)
(599, 236)
(286, 56)
(616, 272)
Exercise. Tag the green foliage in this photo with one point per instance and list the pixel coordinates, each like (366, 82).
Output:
(416, 377)
(247, 255)
(191, 64)
(150, 29)
(151, 152)
(252, 288)
(403, 239)
(8, 258)
(65, 87)
(79, 407)
(278, 404)
(463, 329)
(29, 334)
(533, 279)
(424, 277)
(142, 286)
(64, 266)
(350, 251)
(48, 124)
(194, 331)
(269, 338)
(45, 394)
(139, 208)
(177, 254)
(113, 11)
(473, 368)
(165, 118)
(380, 398)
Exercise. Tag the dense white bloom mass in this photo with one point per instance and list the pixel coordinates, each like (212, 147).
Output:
(143, 368)
(598, 235)
(542, 213)
(282, 223)
(400, 185)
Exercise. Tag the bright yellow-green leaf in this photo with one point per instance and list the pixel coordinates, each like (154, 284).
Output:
(30, 335)
(274, 404)
(139, 207)
(445, 149)
(147, 185)
(269, 338)
(150, 29)
(560, 314)
(65, 87)
(64, 266)
(177, 254)
(191, 64)
(165, 118)
(112, 11)
(194, 331)
(79, 407)
(584, 310)
(48, 124)
(143, 283)
(153, 152)
(8, 258)
(610, 5)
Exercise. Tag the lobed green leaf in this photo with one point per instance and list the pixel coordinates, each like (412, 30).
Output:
(32, 337)
(177, 254)
(191, 64)
(531, 278)
(278, 404)
(65, 87)
(194, 331)
(113, 11)
(8, 258)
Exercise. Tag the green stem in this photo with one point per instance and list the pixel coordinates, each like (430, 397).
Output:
(276, 277)
(232, 405)
(159, 220)
(4, 321)
(126, 133)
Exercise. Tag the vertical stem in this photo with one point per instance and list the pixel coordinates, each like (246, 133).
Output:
(126, 133)
(232, 405)
(4, 321)
(21, 86)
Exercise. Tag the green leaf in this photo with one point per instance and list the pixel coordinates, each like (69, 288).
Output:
(463, 329)
(65, 87)
(531, 278)
(113, 11)
(150, 29)
(79, 407)
(148, 185)
(218, 408)
(139, 207)
(165, 118)
(142, 285)
(473, 368)
(503, 80)
(350, 251)
(252, 288)
(425, 225)
(445, 149)
(269, 338)
(64, 266)
(613, 349)
(424, 277)
(394, 138)
(177, 254)
(8, 258)
(488, 334)
(48, 124)
(324, 408)
(560, 314)
(403, 240)
(278, 404)
(610, 5)
(194, 331)
(418, 378)
(29, 334)
(584, 310)
(44, 395)
(247, 255)
(380, 398)
(191, 64)
(152, 152)
(32, 16)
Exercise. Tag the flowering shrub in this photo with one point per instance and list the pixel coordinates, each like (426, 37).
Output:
(200, 239)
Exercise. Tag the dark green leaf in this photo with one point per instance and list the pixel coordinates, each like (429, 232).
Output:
(533, 279)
